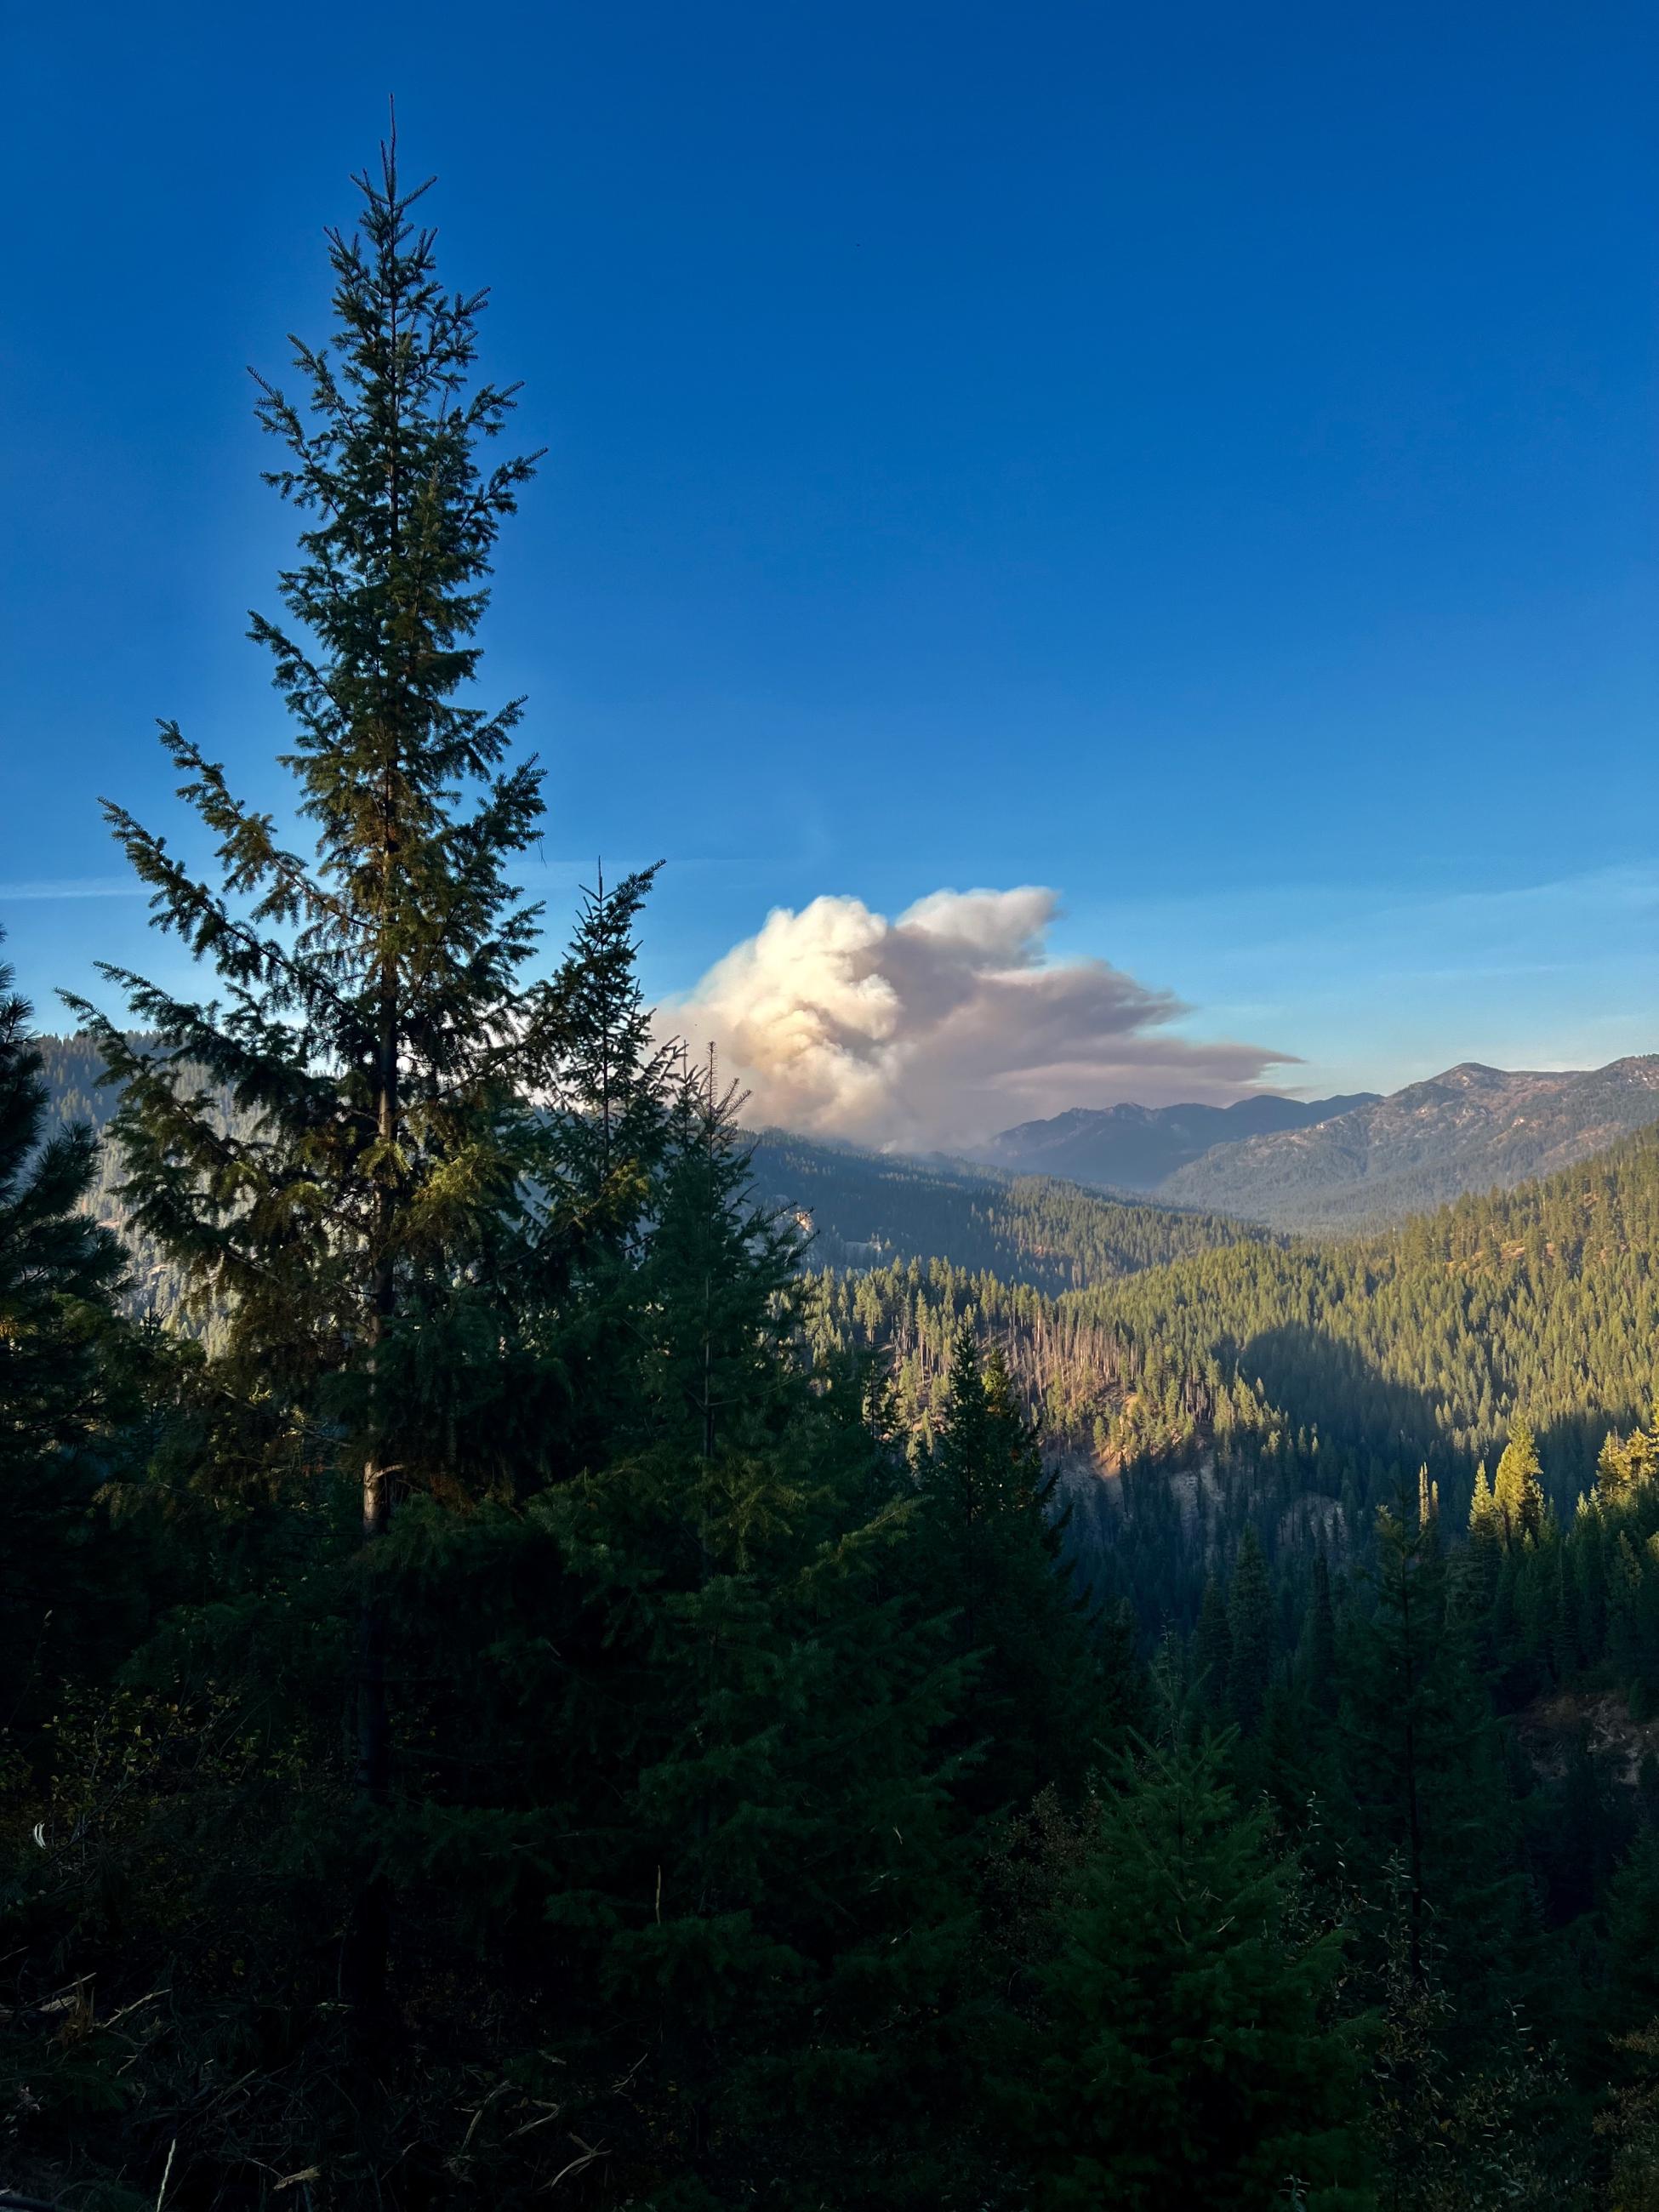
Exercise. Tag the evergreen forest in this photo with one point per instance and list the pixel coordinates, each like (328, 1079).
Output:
(554, 1652)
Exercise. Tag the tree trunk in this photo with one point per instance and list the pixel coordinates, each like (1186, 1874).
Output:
(1414, 1827)
(369, 1943)
(369, 1949)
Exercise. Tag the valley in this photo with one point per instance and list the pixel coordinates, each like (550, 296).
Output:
(1148, 1337)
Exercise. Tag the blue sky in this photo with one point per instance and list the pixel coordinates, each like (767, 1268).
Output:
(1199, 459)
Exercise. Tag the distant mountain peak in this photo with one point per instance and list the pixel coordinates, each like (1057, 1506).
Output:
(1134, 1147)
(1320, 1162)
(1470, 1128)
(1476, 1070)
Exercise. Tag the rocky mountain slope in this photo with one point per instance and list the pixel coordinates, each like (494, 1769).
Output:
(1139, 1147)
(1473, 1128)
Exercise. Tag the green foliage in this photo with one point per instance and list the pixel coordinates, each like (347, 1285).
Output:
(716, 1783)
(989, 1553)
(1190, 2048)
(69, 1383)
(874, 1211)
(1213, 1653)
(1423, 1765)
(374, 1024)
(1518, 1504)
(1251, 1635)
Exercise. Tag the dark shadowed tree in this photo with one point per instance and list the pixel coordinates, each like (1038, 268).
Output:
(1191, 2048)
(1251, 1633)
(65, 1377)
(373, 1035)
(991, 1547)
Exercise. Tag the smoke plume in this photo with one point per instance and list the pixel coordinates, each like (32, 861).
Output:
(941, 1027)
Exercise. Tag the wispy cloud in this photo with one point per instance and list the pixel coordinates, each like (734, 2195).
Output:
(73, 887)
(1383, 983)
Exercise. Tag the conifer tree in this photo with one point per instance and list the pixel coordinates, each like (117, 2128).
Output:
(1632, 1911)
(1587, 1570)
(62, 1380)
(1250, 1633)
(1627, 1613)
(1517, 1492)
(1421, 1759)
(1484, 1569)
(1580, 1828)
(608, 1120)
(1316, 1659)
(1122, 1679)
(1212, 1651)
(375, 1039)
(1627, 1465)
(1483, 1523)
(761, 1880)
(991, 1549)
(1191, 2051)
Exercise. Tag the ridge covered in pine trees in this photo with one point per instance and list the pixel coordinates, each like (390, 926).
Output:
(857, 1208)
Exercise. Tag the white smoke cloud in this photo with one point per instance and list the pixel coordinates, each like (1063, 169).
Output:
(943, 1026)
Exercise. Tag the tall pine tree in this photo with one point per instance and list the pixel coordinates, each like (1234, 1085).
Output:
(374, 1036)
(1433, 1815)
(1251, 1635)
(992, 1549)
(1189, 2048)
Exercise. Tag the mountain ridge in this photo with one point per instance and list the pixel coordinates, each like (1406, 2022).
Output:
(1332, 1165)
(1134, 1147)
(1338, 1164)
(1471, 1128)
(854, 1208)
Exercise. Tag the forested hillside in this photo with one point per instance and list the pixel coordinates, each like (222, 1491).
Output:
(531, 1677)
(1424, 1340)
(1313, 1371)
(862, 1209)
(855, 1208)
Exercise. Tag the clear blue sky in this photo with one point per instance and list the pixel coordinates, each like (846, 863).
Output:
(1201, 459)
